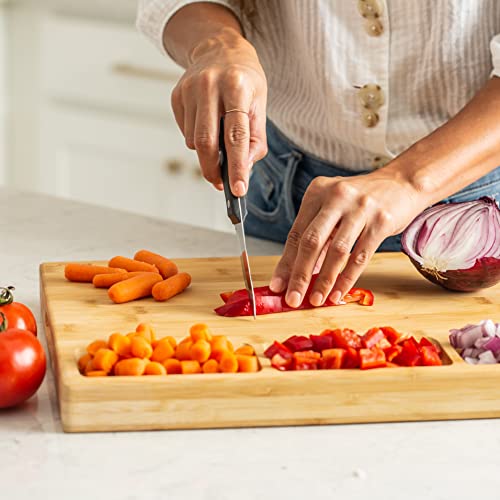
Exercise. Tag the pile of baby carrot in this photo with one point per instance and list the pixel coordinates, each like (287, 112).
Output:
(129, 279)
(141, 353)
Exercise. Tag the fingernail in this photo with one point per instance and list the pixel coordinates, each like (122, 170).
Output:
(293, 299)
(239, 188)
(316, 299)
(277, 285)
(335, 297)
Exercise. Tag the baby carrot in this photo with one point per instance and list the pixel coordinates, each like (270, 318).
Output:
(133, 288)
(247, 363)
(189, 367)
(166, 267)
(83, 362)
(210, 366)
(132, 366)
(183, 350)
(155, 368)
(84, 273)
(200, 331)
(163, 351)
(132, 265)
(228, 363)
(93, 347)
(104, 360)
(174, 285)
(96, 373)
(140, 347)
(200, 351)
(146, 331)
(246, 349)
(109, 279)
(120, 344)
(173, 366)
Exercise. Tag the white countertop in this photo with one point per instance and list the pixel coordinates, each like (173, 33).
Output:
(433, 460)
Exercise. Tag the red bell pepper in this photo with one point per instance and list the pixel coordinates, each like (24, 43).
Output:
(306, 360)
(298, 343)
(346, 338)
(373, 337)
(371, 358)
(392, 335)
(278, 348)
(361, 295)
(281, 363)
(393, 351)
(321, 342)
(410, 355)
(426, 342)
(333, 358)
(430, 357)
(351, 359)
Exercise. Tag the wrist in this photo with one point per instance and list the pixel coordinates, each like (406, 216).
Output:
(224, 39)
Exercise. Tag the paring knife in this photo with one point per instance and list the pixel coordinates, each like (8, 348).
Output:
(236, 211)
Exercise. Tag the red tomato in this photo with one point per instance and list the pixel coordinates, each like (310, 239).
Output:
(22, 366)
(16, 314)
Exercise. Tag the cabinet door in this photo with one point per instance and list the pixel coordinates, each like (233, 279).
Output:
(132, 165)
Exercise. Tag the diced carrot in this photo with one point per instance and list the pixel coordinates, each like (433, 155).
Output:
(104, 359)
(230, 346)
(88, 368)
(131, 335)
(166, 267)
(96, 373)
(83, 362)
(172, 341)
(173, 366)
(183, 350)
(228, 363)
(200, 331)
(132, 265)
(155, 368)
(84, 273)
(147, 331)
(200, 351)
(109, 279)
(189, 367)
(246, 349)
(170, 287)
(210, 366)
(133, 288)
(93, 347)
(247, 363)
(140, 347)
(132, 366)
(120, 344)
(163, 351)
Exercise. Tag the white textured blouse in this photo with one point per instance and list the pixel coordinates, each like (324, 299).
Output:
(422, 60)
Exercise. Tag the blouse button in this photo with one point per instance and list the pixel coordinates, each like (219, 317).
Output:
(371, 96)
(374, 27)
(370, 118)
(370, 9)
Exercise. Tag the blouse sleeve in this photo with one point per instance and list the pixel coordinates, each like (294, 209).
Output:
(495, 55)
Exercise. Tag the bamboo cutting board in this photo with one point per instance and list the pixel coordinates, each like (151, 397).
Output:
(76, 314)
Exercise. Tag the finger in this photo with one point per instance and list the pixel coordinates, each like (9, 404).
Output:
(340, 248)
(322, 255)
(189, 119)
(177, 107)
(281, 275)
(258, 136)
(312, 242)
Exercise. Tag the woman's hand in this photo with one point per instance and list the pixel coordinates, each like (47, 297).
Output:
(223, 74)
(336, 215)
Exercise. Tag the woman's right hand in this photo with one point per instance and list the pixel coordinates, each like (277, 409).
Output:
(224, 73)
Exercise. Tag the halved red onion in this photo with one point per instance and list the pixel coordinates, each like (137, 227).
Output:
(457, 245)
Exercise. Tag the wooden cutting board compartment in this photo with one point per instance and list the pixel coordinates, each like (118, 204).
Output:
(75, 314)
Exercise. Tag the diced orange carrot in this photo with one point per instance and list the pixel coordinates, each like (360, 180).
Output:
(132, 366)
(170, 287)
(83, 362)
(84, 273)
(173, 366)
(109, 279)
(228, 363)
(96, 373)
(166, 267)
(163, 351)
(189, 367)
(183, 350)
(200, 351)
(246, 349)
(132, 265)
(200, 331)
(172, 341)
(210, 366)
(147, 331)
(93, 347)
(120, 344)
(230, 346)
(104, 359)
(155, 368)
(140, 347)
(247, 363)
(131, 335)
(219, 346)
(88, 368)
(133, 288)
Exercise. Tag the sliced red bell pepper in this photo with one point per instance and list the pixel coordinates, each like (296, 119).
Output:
(371, 358)
(346, 338)
(333, 358)
(298, 343)
(278, 348)
(392, 335)
(361, 295)
(281, 363)
(321, 342)
(430, 356)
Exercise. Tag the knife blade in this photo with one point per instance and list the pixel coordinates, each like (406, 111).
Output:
(237, 212)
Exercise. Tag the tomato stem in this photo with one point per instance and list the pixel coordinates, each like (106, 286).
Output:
(6, 295)
(5, 324)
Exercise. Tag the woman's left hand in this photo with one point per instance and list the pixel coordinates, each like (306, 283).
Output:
(336, 215)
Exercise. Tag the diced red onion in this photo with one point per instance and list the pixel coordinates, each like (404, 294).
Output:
(478, 344)
(487, 358)
(488, 327)
(471, 361)
(492, 344)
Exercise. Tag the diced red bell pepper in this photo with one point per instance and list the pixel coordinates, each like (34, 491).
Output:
(321, 342)
(298, 343)
(392, 352)
(361, 295)
(346, 338)
(281, 363)
(371, 358)
(430, 356)
(426, 342)
(306, 360)
(392, 335)
(333, 358)
(278, 348)
(351, 359)
(410, 355)
(373, 337)
(388, 364)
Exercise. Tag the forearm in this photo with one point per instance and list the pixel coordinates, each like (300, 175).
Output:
(194, 24)
(458, 153)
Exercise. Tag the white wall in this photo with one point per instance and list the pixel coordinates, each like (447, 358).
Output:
(3, 93)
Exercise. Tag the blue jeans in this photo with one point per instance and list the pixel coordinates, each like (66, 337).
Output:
(278, 183)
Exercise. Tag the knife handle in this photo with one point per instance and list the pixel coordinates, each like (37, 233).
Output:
(236, 207)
